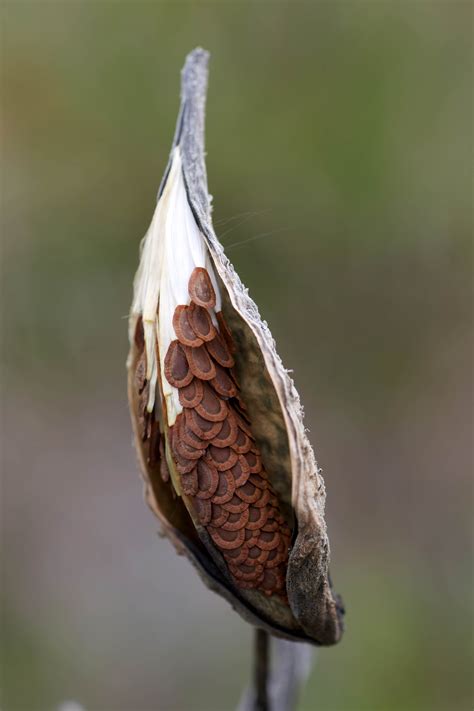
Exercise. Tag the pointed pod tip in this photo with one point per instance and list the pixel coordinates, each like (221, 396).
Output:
(196, 57)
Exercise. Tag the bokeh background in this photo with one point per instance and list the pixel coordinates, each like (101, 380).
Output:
(339, 141)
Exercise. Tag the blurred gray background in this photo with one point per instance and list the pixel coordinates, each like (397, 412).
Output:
(339, 140)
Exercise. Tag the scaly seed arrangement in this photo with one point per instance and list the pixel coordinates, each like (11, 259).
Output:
(219, 464)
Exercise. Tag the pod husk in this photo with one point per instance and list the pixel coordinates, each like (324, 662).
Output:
(315, 614)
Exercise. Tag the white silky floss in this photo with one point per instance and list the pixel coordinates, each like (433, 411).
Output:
(171, 249)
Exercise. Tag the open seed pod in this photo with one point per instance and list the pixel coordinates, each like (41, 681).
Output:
(218, 425)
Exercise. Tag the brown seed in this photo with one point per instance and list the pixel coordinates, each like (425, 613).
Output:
(201, 322)
(237, 555)
(203, 428)
(188, 436)
(184, 450)
(241, 421)
(225, 489)
(267, 541)
(227, 434)
(271, 525)
(259, 480)
(207, 480)
(222, 458)
(220, 352)
(242, 442)
(223, 384)
(200, 364)
(235, 505)
(240, 472)
(191, 395)
(203, 510)
(211, 407)
(278, 555)
(184, 466)
(236, 521)
(228, 540)
(254, 462)
(247, 572)
(177, 370)
(248, 493)
(219, 516)
(257, 555)
(263, 499)
(184, 329)
(200, 288)
(257, 518)
(189, 483)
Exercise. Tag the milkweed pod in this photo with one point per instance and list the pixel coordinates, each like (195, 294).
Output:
(227, 465)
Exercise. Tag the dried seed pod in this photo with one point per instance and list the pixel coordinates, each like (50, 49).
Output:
(243, 497)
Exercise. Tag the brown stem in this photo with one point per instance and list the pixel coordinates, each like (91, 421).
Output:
(261, 669)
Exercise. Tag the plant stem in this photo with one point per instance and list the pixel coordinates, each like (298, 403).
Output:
(261, 669)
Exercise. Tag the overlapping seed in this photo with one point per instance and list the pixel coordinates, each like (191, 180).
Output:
(220, 466)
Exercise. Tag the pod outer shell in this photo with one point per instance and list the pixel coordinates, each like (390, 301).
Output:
(280, 432)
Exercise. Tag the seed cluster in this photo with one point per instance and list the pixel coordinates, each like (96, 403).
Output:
(219, 464)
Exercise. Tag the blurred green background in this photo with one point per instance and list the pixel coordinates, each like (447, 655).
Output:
(339, 141)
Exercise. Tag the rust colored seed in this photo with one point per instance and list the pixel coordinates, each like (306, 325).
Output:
(188, 435)
(270, 581)
(227, 434)
(200, 364)
(236, 521)
(222, 458)
(247, 572)
(267, 541)
(257, 555)
(237, 555)
(184, 329)
(219, 516)
(211, 407)
(223, 384)
(176, 366)
(271, 525)
(257, 519)
(201, 322)
(207, 480)
(191, 395)
(189, 483)
(263, 499)
(240, 472)
(277, 556)
(187, 452)
(225, 489)
(259, 480)
(227, 539)
(203, 428)
(254, 462)
(200, 288)
(235, 505)
(203, 510)
(248, 493)
(184, 466)
(242, 442)
(220, 352)
(244, 426)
